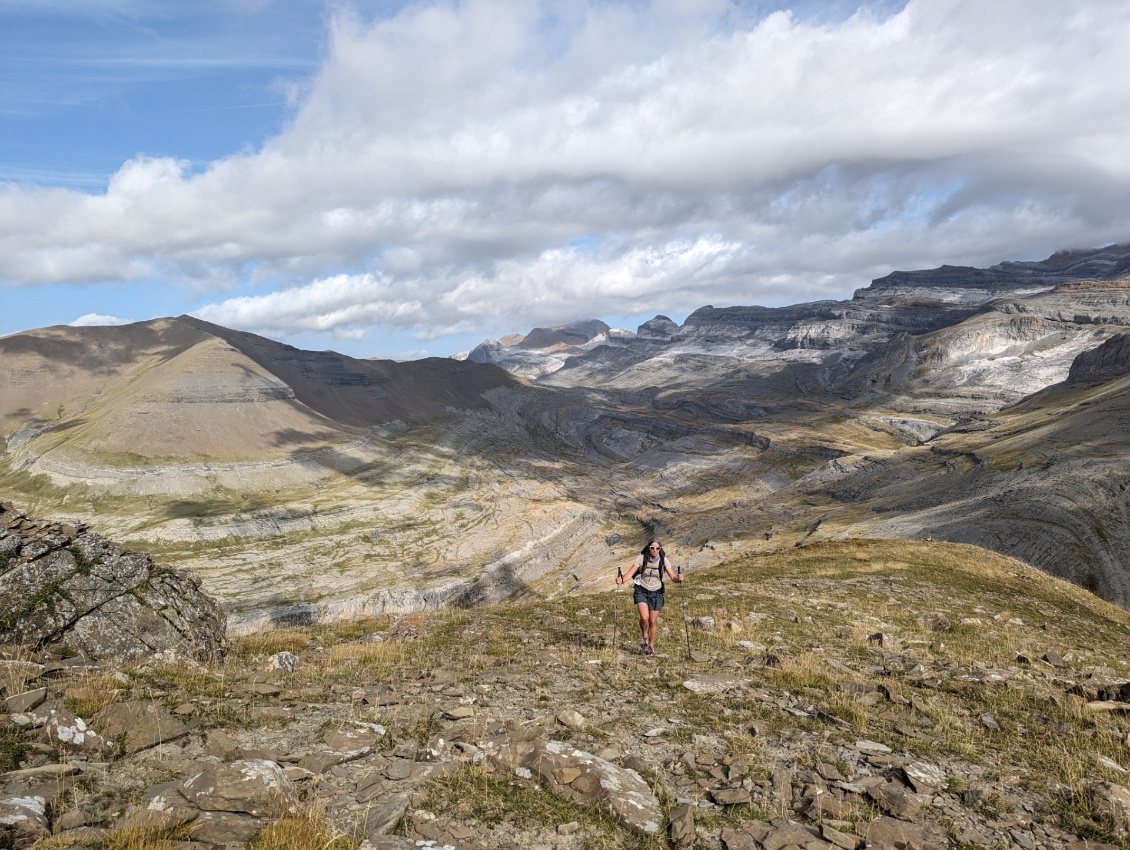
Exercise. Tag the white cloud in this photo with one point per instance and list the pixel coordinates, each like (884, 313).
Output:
(91, 320)
(549, 161)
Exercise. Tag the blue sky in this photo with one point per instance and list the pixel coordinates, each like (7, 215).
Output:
(401, 179)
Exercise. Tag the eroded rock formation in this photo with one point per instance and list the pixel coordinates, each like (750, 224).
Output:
(65, 588)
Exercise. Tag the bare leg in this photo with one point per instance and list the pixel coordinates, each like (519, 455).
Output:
(642, 606)
(653, 627)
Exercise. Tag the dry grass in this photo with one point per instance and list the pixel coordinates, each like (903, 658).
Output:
(817, 609)
(133, 838)
(89, 694)
(307, 830)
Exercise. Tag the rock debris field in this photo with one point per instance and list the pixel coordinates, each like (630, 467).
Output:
(843, 695)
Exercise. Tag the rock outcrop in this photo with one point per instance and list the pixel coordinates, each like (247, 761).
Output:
(1109, 361)
(972, 285)
(66, 589)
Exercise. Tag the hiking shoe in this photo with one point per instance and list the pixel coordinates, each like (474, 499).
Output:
(643, 646)
(649, 651)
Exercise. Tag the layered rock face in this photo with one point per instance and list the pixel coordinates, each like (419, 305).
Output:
(542, 350)
(978, 338)
(965, 284)
(66, 589)
(305, 486)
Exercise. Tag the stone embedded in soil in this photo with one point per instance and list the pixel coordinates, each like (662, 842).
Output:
(383, 815)
(138, 724)
(894, 799)
(889, 832)
(714, 684)
(925, 778)
(681, 827)
(840, 839)
(26, 701)
(620, 792)
(731, 797)
(571, 719)
(252, 786)
(287, 662)
(23, 821)
(1112, 800)
(63, 728)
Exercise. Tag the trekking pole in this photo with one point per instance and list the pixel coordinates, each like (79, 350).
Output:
(686, 628)
(616, 608)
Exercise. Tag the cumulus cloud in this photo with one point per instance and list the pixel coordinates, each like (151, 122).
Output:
(547, 161)
(91, 320)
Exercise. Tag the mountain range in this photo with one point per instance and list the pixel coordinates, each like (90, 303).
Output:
(981, 406)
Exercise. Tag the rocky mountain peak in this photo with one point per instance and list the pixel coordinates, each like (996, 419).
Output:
(573, 334)
(660, 328)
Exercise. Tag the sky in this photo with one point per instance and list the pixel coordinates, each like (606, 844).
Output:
(405, 179)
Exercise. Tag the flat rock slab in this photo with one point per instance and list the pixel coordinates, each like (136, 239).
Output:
(391, 842)
(759, 835)
(731, 797)
(398, 769)
(871, 748)
(351, 742)
(321, 762)
(716, 684)
(225, 828)
(620, 792)
(139, 724)
(45, 773)
(255, 787)
(894, 799)
(382, 815)
(26, 701)
(888, 832)
(23, 821)
(925, 777)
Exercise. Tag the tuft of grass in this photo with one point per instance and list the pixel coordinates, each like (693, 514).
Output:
(90, 694)
(306, 830)
(133, 838)
(13, 748)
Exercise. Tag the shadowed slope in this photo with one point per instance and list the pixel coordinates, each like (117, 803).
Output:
(181, 388)
(364, 392)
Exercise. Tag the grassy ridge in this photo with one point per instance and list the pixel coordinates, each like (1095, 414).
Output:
(956, 679)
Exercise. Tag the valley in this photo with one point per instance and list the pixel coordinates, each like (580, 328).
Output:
(307, 486)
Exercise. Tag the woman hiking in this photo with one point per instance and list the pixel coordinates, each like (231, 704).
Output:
(646, 573)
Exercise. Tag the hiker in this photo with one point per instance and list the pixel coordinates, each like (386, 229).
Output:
(646, 573)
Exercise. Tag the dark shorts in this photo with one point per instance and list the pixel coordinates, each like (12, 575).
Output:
(653, 598)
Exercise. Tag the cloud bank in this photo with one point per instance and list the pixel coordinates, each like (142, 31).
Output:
(464, 165)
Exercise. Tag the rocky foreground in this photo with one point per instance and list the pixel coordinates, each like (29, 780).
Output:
(860, 693)
(66, 590)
